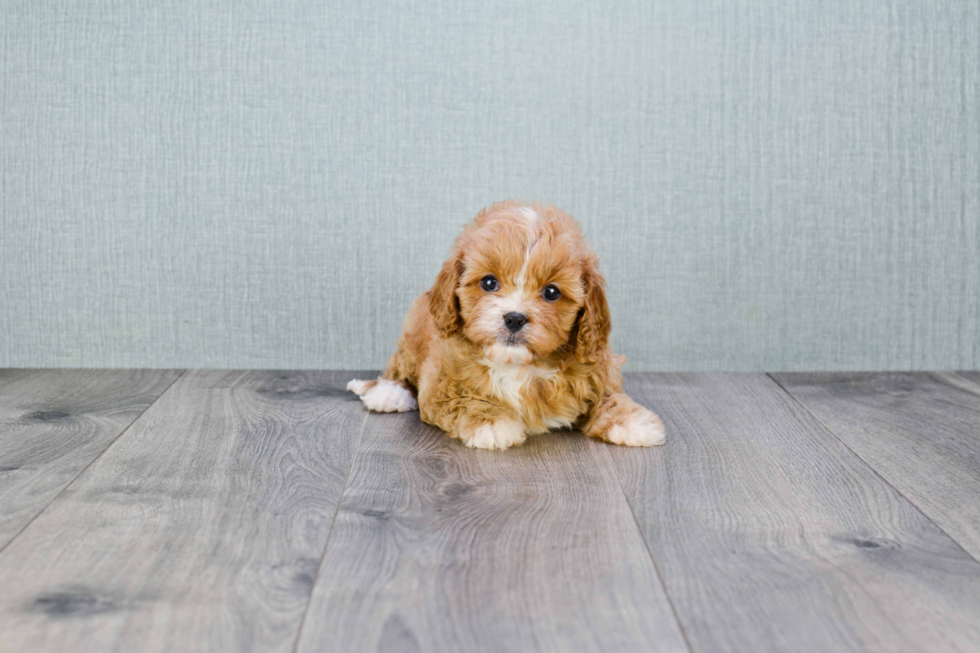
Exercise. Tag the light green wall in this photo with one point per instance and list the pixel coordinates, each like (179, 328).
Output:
(771, 185)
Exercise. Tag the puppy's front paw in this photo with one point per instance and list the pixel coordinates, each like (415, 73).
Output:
(384, 395)
(498, 435)
(641, 428)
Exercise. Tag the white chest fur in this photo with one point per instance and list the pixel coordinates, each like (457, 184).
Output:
(508, 382)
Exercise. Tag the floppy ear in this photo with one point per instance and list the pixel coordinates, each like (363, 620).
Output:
(594, 321)
(443, 303)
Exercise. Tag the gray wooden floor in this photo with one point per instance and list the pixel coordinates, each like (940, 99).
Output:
(267, 511)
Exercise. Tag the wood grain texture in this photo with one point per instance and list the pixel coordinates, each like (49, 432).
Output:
(200, 530)
(920, 431)
(770, 535)
(53, 423)
(442, 548)
(973, 377)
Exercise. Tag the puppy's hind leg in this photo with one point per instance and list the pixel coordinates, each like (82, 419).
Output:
(391, 392)
(620, 420)
(394, 390)
(384, 395)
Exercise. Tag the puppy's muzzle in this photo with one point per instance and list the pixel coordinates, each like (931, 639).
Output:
(515, 321)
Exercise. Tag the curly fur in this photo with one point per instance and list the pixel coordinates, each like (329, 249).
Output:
(490, 388)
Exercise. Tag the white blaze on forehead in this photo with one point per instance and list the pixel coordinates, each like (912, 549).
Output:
(528, 213)
(522, 275)
(514, 301)
(532, 218)
(530, 221)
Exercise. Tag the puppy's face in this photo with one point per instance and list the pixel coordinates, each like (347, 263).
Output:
(524, 282)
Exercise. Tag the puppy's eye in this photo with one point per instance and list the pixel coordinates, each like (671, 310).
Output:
(551, 292)
(489, 283)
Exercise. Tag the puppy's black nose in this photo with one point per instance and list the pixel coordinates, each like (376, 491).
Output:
(515, 321)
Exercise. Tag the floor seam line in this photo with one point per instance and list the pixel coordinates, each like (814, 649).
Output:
(969, 385)
(91, 462)
(333, 524)
(873, 470)
(646, 546)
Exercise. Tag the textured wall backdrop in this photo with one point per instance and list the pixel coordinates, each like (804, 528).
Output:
(771, 184)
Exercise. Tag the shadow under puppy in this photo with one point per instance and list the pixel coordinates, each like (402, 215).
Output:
(513, 339)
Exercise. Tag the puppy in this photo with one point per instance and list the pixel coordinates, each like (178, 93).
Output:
(513, 339)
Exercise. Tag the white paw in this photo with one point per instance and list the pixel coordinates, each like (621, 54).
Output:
(499, 435)
(642, 429)
(385, 396)
(358, 387)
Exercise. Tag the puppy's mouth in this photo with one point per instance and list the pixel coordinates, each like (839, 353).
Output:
(514, 340)
(504, 353)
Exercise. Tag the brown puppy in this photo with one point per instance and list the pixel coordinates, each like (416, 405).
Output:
(513, 339)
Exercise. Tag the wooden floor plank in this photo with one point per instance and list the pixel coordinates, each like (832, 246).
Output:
(771, 535)
(442, 548)
(53, 423)
(200, 530)
(974, 378)
(920, 431)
